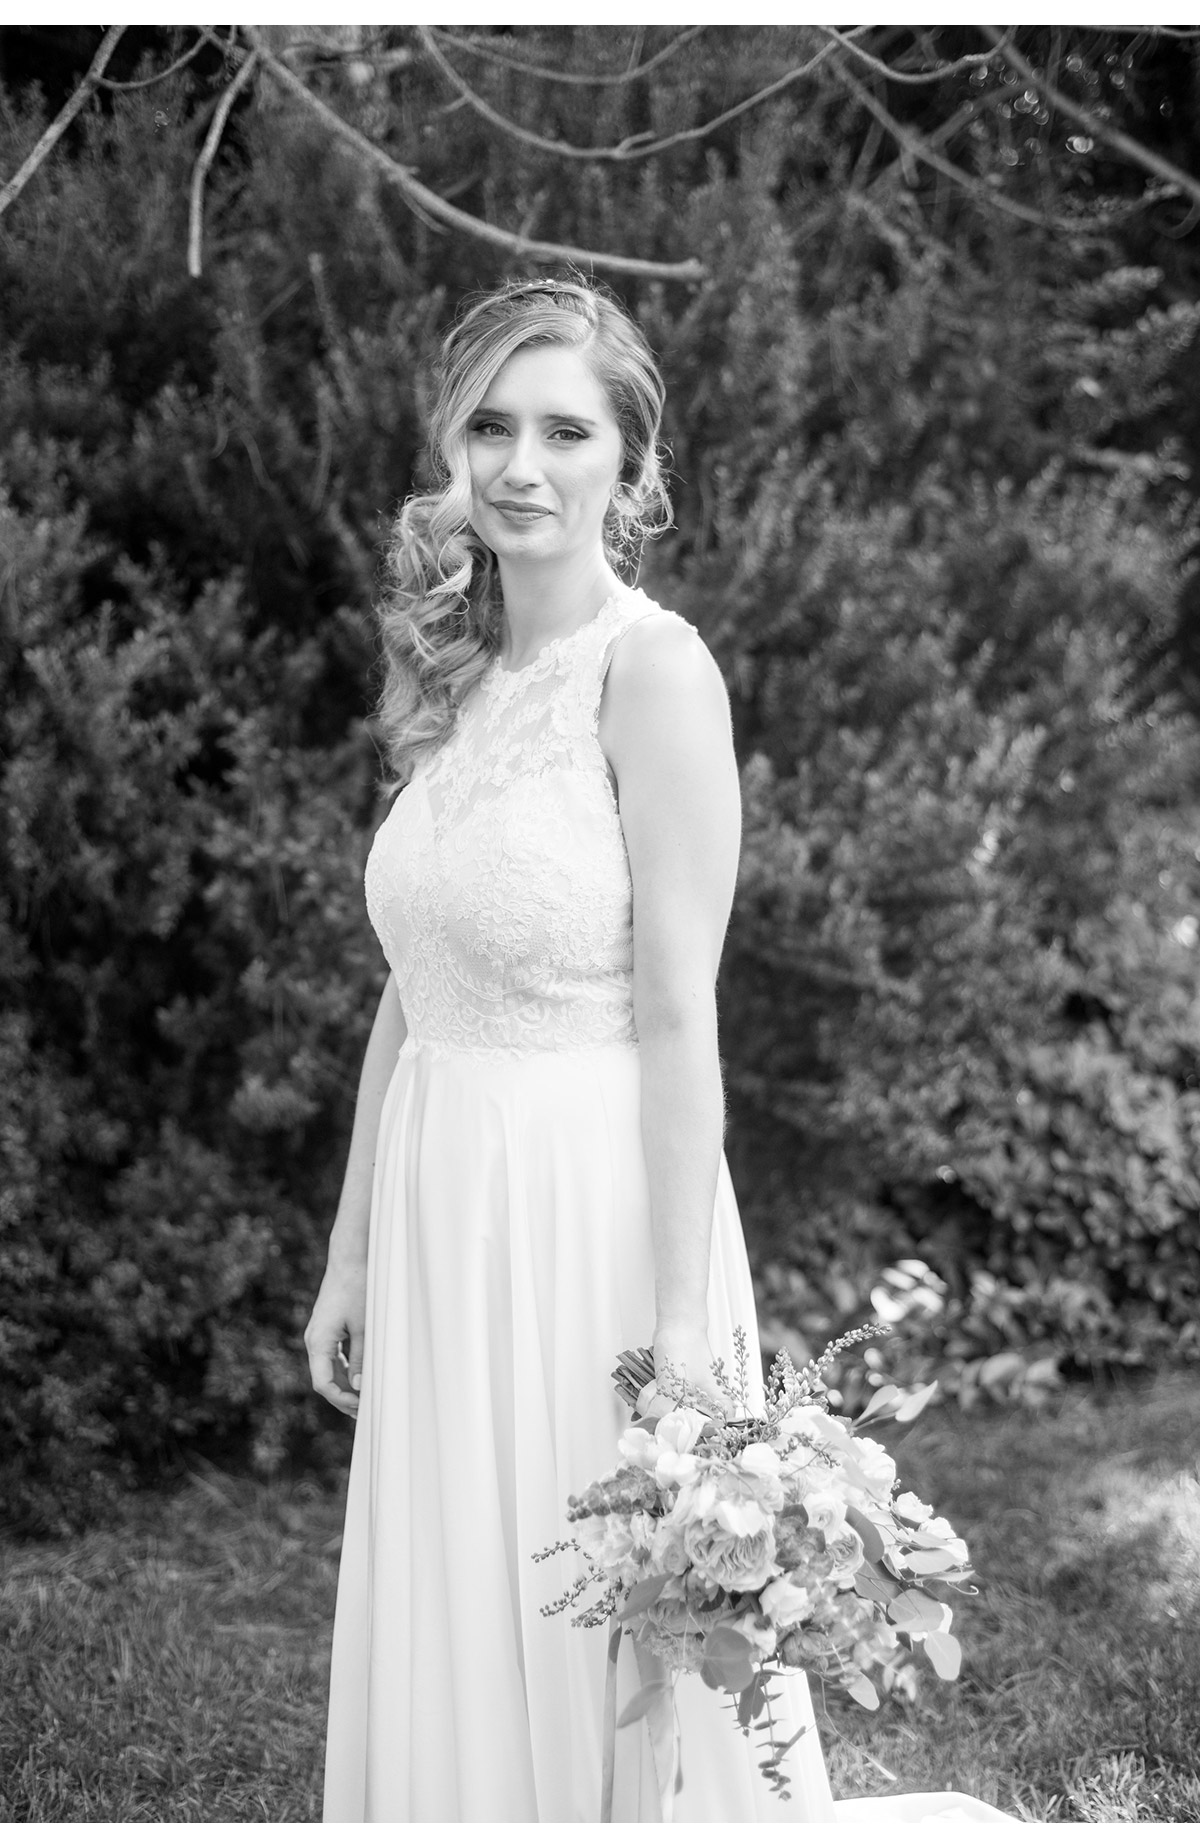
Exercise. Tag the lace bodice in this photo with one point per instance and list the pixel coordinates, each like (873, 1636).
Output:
(499, 882)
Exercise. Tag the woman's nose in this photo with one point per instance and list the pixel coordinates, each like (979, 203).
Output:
(522, 465)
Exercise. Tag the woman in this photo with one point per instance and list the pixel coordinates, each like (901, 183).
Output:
(535, 1177)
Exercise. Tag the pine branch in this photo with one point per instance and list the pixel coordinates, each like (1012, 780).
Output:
(62, 121)
(424, 201)
(1094, 124)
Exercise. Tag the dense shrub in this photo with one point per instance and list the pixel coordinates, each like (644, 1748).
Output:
(927, 524)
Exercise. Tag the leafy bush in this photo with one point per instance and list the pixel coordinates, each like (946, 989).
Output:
(925, 522)
(185, 980)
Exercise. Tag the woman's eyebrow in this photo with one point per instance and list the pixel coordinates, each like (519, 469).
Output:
(550, 417)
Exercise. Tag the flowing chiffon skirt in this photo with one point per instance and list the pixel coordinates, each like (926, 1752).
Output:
(510, 1261)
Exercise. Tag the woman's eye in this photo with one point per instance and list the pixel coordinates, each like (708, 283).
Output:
(571, 436)
(486, 427)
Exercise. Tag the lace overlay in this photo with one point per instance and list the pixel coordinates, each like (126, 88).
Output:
(499, 882)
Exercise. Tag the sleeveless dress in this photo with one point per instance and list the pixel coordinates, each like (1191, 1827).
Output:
(509, 1262)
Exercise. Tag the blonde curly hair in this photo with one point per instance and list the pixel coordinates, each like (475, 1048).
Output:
(441, 612)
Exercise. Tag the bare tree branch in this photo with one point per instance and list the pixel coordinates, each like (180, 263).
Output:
(919, 148)
(146, 83)
(481, 49)
(971, 110)
(1174, 32)
(423, 200)
(893, 75)
(212, 142)
(62, 120)
(635, 147)
(1094, 124)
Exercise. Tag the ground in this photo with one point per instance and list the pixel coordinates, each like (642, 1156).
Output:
(173, 1669)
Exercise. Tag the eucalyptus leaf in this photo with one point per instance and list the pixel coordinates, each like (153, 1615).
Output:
(728, 1654)
(751, 1701)
(643, 1595)
(913, 1611)
(864, 1692)
(868, 1533)
(932, 1560)
(945, 1652)
(914, 1403)
(874, 1580)
(877, 1405)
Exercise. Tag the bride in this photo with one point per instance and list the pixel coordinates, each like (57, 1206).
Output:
(535, 1178)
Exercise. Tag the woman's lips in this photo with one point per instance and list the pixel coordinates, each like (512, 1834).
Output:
(520, 515)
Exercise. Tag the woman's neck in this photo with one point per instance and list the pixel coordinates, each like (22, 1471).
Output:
(540, 605)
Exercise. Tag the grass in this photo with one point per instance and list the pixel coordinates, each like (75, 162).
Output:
(174, 1670)
(1079, 1699)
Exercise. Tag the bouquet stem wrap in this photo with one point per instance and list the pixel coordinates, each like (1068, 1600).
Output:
(659, 1712)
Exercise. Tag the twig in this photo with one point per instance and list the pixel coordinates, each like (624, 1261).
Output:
(62, 121)
(635, 147)
(921, 149)
(1141, 156)
(483, 50)
(212, 142)
(146, 83)
(883, 69)
(421, 199)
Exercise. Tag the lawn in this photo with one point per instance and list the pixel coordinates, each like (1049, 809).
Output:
(174, 1670)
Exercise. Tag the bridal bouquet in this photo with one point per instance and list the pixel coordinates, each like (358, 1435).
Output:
(732, 1544)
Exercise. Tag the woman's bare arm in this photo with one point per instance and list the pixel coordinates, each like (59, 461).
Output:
(339, 1314)
(665, 729)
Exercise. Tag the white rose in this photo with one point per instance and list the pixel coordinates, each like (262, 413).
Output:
(845, 1555)
(878, 1468)
(675, 1468)
(759, 1460)
(695, 1499)
(608, 1540)
(735, 1562)
(785, 1602)
(667, 1551)
(814, 1425)
(679, 1431)
(639, 1447)
(738, 1516)
(826, 1510)
(936, 1533)
(910, 1508)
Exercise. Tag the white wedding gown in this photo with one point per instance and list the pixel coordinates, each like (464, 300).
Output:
(510, 1261)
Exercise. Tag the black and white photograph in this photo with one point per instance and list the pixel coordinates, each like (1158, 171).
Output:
(600, 925)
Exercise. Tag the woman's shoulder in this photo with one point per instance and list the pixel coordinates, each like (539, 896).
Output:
(662, 676)
(657, 647)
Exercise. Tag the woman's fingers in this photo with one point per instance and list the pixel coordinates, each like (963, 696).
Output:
(328, 1369)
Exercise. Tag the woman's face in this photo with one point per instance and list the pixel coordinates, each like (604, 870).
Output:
(544, 453)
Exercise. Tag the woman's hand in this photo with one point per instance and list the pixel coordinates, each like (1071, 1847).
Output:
(337, 1322)
(685, 1347)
